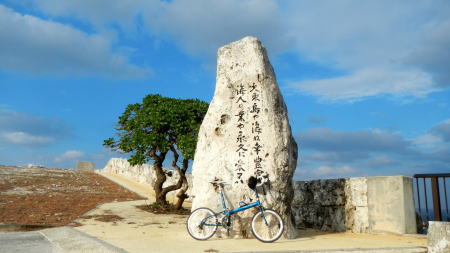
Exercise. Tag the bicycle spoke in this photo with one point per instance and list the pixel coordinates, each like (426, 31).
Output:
(267, 227)
(202, 224)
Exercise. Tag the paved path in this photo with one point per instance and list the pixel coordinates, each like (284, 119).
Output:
(144, 190)
(370, 250)
(141, 189)
(54, 240)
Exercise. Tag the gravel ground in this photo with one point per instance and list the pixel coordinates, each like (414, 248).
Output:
(42, 197)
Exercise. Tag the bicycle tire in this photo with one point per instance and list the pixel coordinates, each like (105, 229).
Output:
(194, 220)
(270, 232)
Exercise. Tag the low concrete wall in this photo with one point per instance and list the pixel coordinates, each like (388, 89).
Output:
(85, 166)
(391, 205)
(144, 174)
(358, 205)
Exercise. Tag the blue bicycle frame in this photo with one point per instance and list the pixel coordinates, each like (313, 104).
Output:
(233, 211)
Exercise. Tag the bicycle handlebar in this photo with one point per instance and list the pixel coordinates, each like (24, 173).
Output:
(219, 183)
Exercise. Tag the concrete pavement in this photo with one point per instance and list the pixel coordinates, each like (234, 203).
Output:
(22, 242)
(372, 250)
(54, 240)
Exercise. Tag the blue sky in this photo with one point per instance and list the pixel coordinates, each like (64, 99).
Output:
(366, 83)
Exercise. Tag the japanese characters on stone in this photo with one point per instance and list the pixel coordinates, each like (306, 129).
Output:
(248, 100)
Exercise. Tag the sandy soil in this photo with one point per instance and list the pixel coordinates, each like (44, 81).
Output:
(53, 197)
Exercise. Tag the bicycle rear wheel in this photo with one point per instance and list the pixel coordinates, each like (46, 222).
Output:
(270, 231)
(202, 224)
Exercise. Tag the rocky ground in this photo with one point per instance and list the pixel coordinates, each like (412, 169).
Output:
(53, 197)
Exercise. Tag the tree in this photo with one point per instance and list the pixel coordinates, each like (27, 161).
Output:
(159, 125)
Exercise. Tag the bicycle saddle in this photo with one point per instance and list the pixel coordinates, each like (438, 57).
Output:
(252, 181)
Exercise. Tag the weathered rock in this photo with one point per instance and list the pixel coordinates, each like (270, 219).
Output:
(320, 204)
(245, 132)
(438, 237)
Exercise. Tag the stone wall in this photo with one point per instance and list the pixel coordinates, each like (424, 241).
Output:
(358, 205)
(144, 174)
(85, 166)
(319, 204)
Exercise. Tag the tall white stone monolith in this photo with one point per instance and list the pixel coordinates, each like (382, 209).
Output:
(245, 133)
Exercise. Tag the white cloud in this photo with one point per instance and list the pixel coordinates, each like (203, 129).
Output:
(203, 25)
(433, 52)
(375, 140)
(326, 170)
(328, 153)
(99, 13)
(435, 141)
(33, 45)
(394, 48)
(442, 130)
(24, 129)
(369, 82)
(69, 155)
(198, 26)
(387, 48)
(22, 138)
(427, 141)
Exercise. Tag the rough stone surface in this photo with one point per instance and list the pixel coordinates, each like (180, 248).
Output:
(356, 209)
(320, 204)
(438, 237)
(144, 174)
(358, 205)
(85, 166)
(245, 132)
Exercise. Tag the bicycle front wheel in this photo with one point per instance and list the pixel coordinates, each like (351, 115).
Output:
(267, 225)
(202, 223)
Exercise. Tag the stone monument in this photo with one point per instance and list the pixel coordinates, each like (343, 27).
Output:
(246, 133)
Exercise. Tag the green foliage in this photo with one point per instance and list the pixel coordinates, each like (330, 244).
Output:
(154, 205)
(158, 124)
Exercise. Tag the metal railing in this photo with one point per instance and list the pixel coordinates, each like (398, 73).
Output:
(434, 207)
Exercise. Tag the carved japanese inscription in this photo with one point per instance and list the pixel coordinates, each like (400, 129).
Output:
(249, 149)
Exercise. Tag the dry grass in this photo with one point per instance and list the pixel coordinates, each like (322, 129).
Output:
(53, 197)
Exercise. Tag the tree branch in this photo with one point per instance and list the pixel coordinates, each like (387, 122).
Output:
(179, 170)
